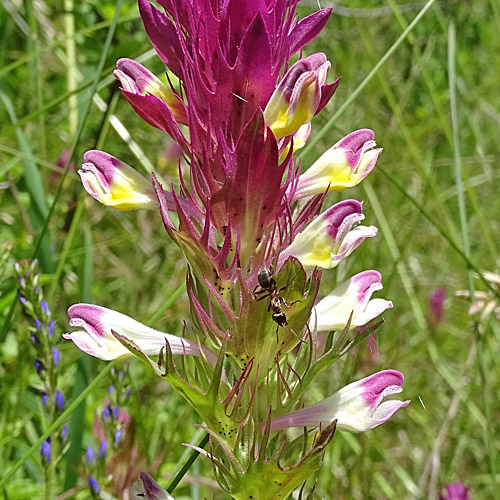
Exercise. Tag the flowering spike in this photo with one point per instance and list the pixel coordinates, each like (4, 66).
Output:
(357, 407)
(344, 165)
(115, 183)
(330, 237)
(96, 337)
(334, 311)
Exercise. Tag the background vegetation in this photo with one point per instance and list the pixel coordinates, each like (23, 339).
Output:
(435, 108)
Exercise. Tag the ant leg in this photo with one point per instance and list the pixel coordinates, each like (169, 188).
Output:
(263, 297)
(277, 336)
(289, 283)
(291, 303)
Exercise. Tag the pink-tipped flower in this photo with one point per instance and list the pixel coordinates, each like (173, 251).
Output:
(455, 491)
(94, 335)
(344, 165)
(299, 96)
(147, 488)
(353, 296)
(330, 237)
(115, 183)
(357, 407)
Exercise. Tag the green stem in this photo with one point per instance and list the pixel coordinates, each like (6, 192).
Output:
(187, 464)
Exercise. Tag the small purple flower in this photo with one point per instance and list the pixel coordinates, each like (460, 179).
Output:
(38, 325)
(106, 413)
(116, 411)
(51, 328)
(64, 431)
(344, 165)
(90, 456)
(45, 307)
(118, 435)
(35, 339)
(44, 399)
(59, 404)
(23, 301)
(299, 96)
(56, 355)
(45, 451)
(111, 390)
(39, 367)
(94, 487)
(455, 491)
(103, 449)
(127, 392)
(22, 281)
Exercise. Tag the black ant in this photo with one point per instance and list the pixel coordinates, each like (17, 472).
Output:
(268, 284)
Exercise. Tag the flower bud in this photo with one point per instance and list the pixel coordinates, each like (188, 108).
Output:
(94, 487)
(59, 401)
(114, 183)
(46, 450)
(90, 456)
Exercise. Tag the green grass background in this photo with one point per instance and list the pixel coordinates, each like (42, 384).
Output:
(435, 108)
